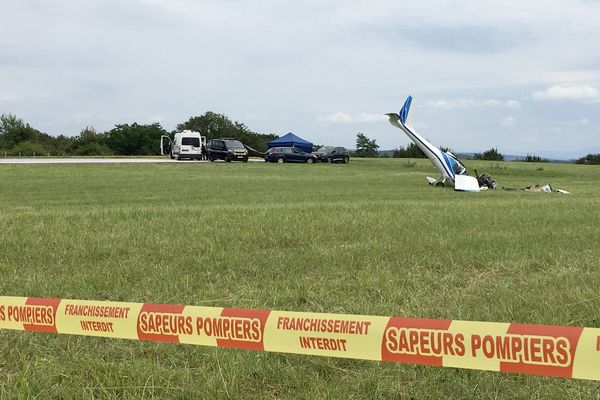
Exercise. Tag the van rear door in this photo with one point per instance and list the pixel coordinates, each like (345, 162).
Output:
(165, 145)
(190, 145)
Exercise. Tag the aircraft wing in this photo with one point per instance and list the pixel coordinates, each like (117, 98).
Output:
(466, 183)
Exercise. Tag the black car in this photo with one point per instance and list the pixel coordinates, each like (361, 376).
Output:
(332, 154)
(226, 149)
(289, 154)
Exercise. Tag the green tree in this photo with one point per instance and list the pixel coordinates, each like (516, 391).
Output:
(366, 147)
(28, 149)
(93, 149)
(410, 151)
(491, 155)
(590, 159)
(534, 159)
(14, 131)
(61, 145)
(211, 125)
(89, 135)
(90, 143)
(135, 139)
(16, 134)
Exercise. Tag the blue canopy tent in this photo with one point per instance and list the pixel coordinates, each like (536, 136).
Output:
(291, 140)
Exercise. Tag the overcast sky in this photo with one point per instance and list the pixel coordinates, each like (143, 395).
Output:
(522, 76)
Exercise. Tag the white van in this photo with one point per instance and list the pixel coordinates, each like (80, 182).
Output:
(186, 144)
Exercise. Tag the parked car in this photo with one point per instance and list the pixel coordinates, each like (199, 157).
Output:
(332, 154)
(289, 154)
(226, 149)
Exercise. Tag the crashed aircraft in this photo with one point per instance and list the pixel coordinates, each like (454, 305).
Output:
(454, 173)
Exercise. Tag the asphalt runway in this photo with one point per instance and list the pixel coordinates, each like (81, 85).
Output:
(106, 160)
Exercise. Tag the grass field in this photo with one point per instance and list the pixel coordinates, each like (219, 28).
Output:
(370, 237)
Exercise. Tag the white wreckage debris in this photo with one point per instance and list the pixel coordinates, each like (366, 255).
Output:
(537, 188)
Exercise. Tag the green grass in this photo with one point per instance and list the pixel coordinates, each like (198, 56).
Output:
(370, 237)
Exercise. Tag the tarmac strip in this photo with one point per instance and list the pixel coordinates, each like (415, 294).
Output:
(107, 160)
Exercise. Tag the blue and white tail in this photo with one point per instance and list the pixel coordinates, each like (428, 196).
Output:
(405, 110)
(445, 162)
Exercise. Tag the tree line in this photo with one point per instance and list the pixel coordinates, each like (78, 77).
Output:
(366, 147)
(590, 159)
(19, 138)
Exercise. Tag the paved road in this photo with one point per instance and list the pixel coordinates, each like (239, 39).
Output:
(107, 160)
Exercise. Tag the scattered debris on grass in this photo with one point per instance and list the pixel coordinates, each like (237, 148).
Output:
(538, 188)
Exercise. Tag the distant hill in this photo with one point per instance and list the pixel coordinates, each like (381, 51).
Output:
(515, 157)
(507, 157)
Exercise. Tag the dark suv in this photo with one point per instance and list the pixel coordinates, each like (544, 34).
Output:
(226, 149)
(332, 154)
(289, 154)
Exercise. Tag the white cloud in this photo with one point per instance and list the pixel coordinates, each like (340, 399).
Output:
(508, 122)
(466, 104)
(569, 93)
(345, 118)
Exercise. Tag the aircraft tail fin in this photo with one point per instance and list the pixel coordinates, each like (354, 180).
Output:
(404, 112)
(403, 118)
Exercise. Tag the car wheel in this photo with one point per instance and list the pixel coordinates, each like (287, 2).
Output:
(228, 159)
(329, 160)
(280, 160)
(309, 161)
(172, 156)
(346, 160)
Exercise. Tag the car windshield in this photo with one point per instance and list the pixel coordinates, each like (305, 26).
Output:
(457, 166)
(324, 149)
(234, 144)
